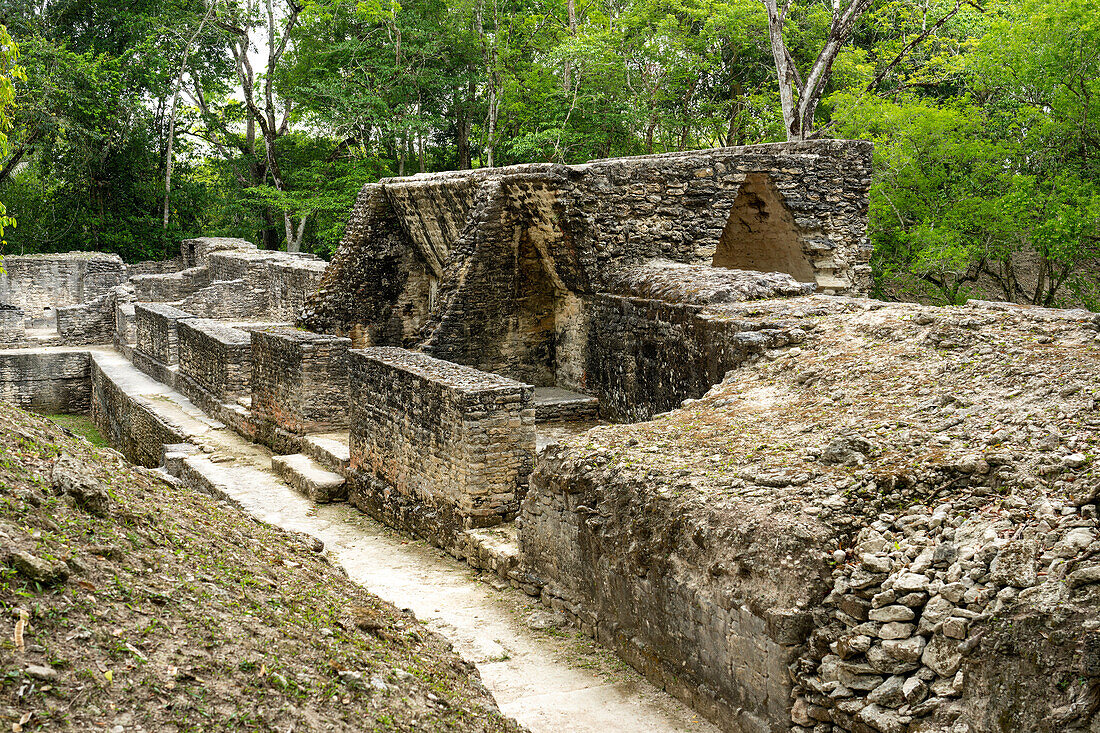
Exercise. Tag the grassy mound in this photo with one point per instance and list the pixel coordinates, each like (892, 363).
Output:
(128, 603)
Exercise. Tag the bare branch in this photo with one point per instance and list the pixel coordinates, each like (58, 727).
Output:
(916, 41)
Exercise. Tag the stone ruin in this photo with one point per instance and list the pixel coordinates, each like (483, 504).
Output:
(651, 392)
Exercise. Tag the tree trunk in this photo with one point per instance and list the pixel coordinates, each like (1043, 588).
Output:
(492, 132)
(797, 98)
(168, 157)
(567, 77)
(462, 129)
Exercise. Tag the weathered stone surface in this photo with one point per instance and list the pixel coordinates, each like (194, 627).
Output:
(907, 650)
(38, 284)
(453, 441)
(157, 333)
(38, 569)
(215, 356)
(300, 380)
(942, 656)
(12, 325)
(87, 323)
(305, 475)
(1015, 564)
(50, 382)
(72, 479)
(516, 270)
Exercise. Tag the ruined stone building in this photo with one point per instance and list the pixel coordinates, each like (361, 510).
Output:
(652, 392)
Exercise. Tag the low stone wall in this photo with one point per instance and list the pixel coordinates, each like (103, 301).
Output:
(300, 380)
(291, 284)
(436, 447)
(231, 300)
(39, 283)
(88, 323)
(12, 325)
(157, 335)
(155, 267)
(196, 252)
(648, 356)
(50, 382)
(216, 357)
(128, 424)
(172, 286)
(712, 618)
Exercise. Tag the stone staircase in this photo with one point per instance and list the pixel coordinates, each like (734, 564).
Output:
(319, 471)
(331, 450)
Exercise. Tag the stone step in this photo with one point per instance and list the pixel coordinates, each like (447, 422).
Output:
(557, 404)
(828, 282)
(329, 449)
(310, 478)
(495, 549)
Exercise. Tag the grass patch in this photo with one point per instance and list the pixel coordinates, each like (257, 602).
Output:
(81, 425)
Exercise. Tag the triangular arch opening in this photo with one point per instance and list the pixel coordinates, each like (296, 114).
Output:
(761, 234)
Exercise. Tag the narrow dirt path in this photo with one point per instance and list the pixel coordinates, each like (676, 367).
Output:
(552, 681)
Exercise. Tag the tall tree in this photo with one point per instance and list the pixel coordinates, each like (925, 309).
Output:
(798, 95)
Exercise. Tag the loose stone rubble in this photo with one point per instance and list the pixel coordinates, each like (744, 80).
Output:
(676, 421)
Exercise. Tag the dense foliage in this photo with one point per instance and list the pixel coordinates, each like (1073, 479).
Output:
(142, 122)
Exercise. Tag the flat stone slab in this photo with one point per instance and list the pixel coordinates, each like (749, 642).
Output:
(555, 403)
(310, 478)
(331, 450)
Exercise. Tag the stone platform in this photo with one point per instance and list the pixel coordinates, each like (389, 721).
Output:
(556, 403)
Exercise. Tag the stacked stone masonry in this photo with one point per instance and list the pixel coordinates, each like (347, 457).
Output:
(88, 323)
(12, 325)
(215, 357)
(50, 382)
(157, 331)
(437, 447)
(811, 514)
(300, 380)
(40, 283)
(508, 270)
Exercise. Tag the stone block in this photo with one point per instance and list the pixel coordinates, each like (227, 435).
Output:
(443, 436)
(309, 478)
(157, 332)
(215, 357)
(300, 380)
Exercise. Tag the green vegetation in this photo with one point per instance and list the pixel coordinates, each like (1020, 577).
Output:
(138, 126)
(81, 425)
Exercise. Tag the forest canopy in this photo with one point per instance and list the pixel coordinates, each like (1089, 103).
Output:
(137, 124)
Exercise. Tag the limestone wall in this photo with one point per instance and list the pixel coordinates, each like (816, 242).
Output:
(12, 325)
(647, 356)
(88, 323)
(39, 283)
(433, 212)
(157, 334)
(170, 287)
(300, 380)
(196, 252)
(525, 249)
(215, 356)
(654, 578)
(231, 300)
(291, 284)
(437, 447)
(50, 382)
(155, 267)
(128, 424)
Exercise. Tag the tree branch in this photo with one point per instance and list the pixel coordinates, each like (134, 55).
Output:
(917, 41)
